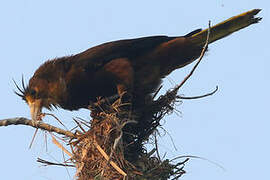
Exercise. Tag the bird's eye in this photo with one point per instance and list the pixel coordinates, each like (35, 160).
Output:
(33, 92)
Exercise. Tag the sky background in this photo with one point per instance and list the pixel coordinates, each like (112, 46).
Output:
(230, 128)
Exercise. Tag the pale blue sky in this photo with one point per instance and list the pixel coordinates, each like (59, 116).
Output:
(230, 128)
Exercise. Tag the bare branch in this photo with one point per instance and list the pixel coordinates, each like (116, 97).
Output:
(35, 124)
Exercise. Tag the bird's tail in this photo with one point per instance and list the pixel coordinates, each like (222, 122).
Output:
(227, 27)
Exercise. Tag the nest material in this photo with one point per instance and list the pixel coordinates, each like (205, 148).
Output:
(113, 147)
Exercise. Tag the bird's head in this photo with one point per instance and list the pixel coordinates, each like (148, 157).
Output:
(36, 94)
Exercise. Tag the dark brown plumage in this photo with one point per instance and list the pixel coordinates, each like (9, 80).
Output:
(135, 66)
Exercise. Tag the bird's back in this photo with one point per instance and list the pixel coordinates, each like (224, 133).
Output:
(129, 48)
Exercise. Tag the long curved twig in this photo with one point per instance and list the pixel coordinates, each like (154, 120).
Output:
(199, 60)
(198, 97)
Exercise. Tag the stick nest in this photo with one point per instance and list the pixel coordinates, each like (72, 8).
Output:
(113, 146)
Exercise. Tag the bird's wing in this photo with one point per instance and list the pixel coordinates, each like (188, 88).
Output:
(130, 48)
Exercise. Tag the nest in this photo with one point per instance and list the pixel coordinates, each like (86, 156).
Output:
(113, 145)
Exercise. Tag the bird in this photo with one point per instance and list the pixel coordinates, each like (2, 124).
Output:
(136, 66)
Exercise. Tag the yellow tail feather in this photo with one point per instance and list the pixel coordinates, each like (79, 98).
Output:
(227, 27)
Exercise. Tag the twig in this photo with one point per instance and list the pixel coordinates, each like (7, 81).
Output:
(35, 124)
(103, 101)
(59, 145)
(66, 163)
(48, 163)
(84, 122)
(200, 58)
(157, 91)
(46, 141)
(79, 125)
(33, 138)
(156, 147)
(149, 154)
(49, 114)
(115, 166)
(198, 97)
(197, 157)
(171, 138)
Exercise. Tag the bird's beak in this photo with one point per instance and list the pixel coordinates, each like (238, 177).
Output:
(35, 109)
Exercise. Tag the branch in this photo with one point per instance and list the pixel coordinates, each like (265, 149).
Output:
(35, 124)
